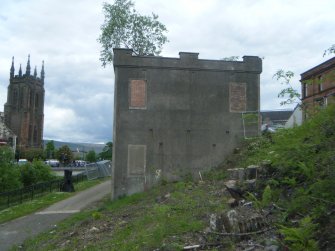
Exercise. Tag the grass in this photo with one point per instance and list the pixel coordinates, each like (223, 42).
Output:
(163, 217)
(42, 202)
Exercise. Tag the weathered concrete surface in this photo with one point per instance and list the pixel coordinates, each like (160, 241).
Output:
(16, 231)
(178, 116)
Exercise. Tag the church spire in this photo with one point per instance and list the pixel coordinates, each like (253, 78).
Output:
(42, 72)
(35, 72)
(12, 69)
(20, 71)
(28, 66)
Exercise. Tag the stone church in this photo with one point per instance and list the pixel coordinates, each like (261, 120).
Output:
(24, 109)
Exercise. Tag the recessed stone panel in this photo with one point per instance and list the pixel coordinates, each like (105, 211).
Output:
(137, 97)
(238, 97)
(136, 160)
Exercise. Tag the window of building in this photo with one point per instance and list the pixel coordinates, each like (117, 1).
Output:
(137, 94)
(31, 98)
(36, 100)
(15, 94)
(305, 90)
(319, 83)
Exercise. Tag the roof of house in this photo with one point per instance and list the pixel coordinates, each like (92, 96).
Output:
(318, 69)
(279, 115)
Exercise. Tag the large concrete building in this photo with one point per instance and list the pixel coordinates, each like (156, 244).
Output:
(178, 116)
(24, 109)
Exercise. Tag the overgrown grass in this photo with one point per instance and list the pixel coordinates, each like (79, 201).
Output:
(42, 202)
(300, 180)
(301, 177)
(159, 218)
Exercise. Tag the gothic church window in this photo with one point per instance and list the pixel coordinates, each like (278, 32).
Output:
(36, 100)
(15, 97)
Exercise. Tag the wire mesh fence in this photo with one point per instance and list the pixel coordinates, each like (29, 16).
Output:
(99, 169)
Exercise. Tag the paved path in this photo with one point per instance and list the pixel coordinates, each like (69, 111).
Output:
(16, 231)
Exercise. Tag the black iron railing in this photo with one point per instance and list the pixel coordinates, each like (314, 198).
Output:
(17, 196)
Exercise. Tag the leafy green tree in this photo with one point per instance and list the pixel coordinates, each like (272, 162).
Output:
(9, 172)
(35, 172)
(124, 27)
(32, 153)
(50, 150)
(64, 155)
(292, 95)
(107, 151)
(91, 156)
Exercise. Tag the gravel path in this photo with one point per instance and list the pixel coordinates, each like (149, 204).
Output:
(16, 231)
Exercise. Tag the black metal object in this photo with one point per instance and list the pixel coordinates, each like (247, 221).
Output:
(67, 186)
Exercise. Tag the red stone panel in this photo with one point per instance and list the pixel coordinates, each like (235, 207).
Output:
(137, 94)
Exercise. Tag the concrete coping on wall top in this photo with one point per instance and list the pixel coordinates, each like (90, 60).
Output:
(186, 60)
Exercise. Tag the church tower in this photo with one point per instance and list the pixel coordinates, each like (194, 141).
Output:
(24, 109)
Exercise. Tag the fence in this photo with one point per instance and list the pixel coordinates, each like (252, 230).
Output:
(99, 169)
(18, 196)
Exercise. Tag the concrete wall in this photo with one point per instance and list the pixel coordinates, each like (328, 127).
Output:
(178, 116)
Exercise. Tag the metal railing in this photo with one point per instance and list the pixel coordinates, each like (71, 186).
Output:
(18, 196)
(99, 169)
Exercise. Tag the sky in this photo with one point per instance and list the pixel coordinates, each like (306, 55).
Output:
(79, 92)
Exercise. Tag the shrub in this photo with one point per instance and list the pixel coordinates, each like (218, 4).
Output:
(9, 172)
(32, 173)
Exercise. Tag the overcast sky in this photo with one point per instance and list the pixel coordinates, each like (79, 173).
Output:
(290, 35)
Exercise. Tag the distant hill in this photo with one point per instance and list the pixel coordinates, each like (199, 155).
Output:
(83, 147)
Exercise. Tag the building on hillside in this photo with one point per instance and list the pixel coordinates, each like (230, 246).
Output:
(295, 118)
(318, 85)
(24, 109)
(179, 116)
(7, 137)
(275, 119)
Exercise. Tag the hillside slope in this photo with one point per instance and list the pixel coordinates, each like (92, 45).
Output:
(293, 203)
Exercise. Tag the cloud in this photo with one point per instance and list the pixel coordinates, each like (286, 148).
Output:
(290, 35)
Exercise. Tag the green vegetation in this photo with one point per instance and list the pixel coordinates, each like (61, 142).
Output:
(50, 150)
(297, 177)
(9, 172)
(123, 27)
(37, 171)
(301, 175)
(13, 176)
(107, 152)
(43, 202)
(91, 156)
(64, 155)
(159, 218)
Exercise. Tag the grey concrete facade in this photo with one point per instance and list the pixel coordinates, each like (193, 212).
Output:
(178, 116)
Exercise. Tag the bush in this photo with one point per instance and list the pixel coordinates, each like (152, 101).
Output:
(32, 173)
(9, 172)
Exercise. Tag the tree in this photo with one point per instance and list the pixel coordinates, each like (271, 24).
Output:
(292, 95)
(124, 27)
(50, 150)
(91, 156)
(64, 155)
(32, 153)
(330, 50)
(107, 151)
